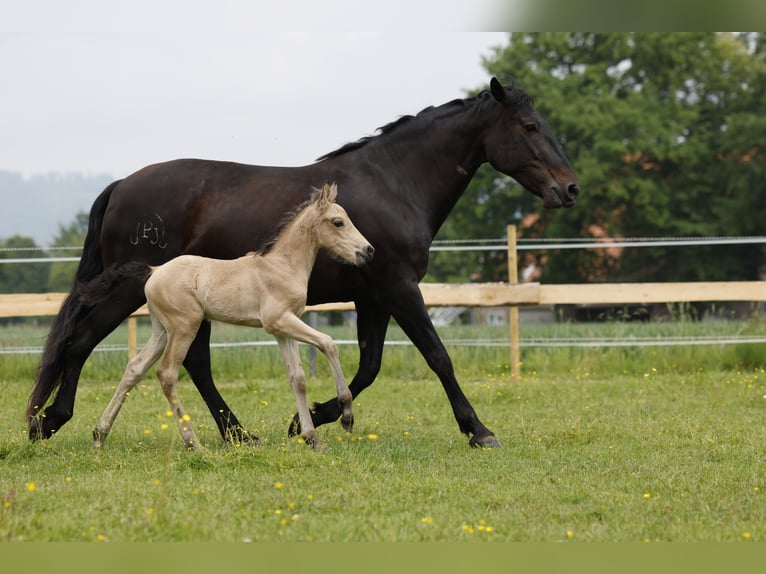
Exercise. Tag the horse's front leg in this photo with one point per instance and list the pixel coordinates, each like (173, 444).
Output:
(408, 308)
(297, 378)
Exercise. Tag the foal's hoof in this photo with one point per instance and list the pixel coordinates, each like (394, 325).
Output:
(347, 422)
(99, 437)
(486, 441)
(313, 441)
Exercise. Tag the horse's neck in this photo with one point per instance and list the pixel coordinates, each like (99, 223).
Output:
(432, 162)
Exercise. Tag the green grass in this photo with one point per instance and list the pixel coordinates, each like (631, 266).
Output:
(600, 445)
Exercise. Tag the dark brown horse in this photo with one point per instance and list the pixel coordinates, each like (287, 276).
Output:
(398, 187)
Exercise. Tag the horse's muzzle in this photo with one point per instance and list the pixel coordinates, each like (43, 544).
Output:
(556, 196)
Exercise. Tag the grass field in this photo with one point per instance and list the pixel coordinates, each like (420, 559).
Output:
(618, 444)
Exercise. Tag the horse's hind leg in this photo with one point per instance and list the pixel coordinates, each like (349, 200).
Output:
(91, 326)
(197, 363)
(134, 372)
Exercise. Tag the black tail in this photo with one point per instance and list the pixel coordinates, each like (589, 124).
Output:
(52, 361)
(102, 285)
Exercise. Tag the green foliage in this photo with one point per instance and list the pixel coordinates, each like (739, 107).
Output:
(41, 277)
(22, 277)
(665, 132)
(72, 235)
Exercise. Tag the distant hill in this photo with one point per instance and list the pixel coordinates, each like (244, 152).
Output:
(36, 206)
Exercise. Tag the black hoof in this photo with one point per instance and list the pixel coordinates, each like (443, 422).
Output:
(295, 427)
(38, 430)
(486, 441)
(238, 435)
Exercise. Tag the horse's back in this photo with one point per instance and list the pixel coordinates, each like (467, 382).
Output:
(211, 208)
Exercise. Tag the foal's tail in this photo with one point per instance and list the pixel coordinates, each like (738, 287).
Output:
(100, 287)
(52, 361)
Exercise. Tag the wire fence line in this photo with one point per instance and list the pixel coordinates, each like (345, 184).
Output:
(492, 244)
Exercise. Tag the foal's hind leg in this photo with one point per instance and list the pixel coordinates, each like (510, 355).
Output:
(134, 372)
(167, 373)
(197, 363)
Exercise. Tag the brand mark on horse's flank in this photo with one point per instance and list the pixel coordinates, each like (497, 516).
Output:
(150, 230)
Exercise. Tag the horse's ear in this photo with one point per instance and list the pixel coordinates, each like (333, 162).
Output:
(497, 89)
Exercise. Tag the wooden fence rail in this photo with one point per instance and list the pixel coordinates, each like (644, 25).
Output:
(486, 295)
(479, 295)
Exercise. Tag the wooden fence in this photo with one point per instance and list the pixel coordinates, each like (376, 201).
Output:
(511, 295)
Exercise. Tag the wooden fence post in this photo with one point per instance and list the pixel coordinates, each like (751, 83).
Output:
(513, 311)
(132, 337)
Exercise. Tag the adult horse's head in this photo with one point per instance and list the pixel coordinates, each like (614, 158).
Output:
(521, 144)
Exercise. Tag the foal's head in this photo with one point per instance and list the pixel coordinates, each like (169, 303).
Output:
(335, 232)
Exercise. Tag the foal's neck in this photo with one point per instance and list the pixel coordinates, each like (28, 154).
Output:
(298, 244)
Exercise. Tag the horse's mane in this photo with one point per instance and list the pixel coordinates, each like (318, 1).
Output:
(287, 218)
(515, 97)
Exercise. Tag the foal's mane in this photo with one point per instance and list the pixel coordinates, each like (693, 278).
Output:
(287, 218)
(514, 97)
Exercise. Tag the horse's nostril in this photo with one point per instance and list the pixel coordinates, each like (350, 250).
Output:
(573, 190)
(370, 251)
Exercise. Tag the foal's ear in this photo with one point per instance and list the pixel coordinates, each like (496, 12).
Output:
(328, 194)
(497, 89)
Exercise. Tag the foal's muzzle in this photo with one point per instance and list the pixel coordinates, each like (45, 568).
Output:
(364, 255)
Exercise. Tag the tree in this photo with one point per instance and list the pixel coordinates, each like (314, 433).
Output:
(72, 235)
(22, 277)
(664, 132)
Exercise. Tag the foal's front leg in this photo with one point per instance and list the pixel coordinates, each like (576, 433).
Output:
(297, 378)
(292, 326)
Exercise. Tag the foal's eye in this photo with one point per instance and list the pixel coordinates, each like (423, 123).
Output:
(338, 223)
(530, 127)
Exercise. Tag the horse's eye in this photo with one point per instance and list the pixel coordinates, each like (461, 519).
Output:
(338, 223)
(530, 127)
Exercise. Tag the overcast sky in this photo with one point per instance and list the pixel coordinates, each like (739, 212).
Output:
(113, 101)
